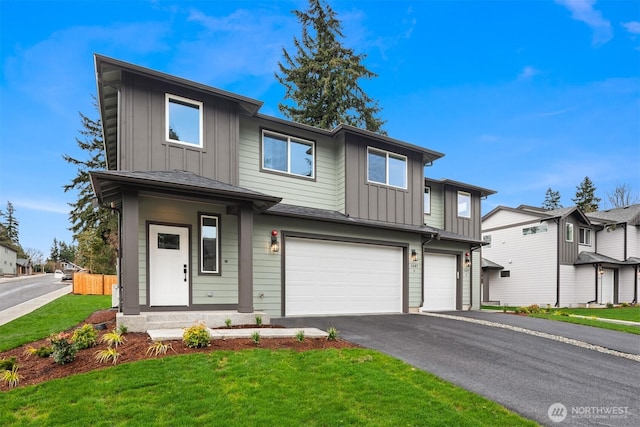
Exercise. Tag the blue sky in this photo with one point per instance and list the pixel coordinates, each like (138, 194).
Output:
(519, 95)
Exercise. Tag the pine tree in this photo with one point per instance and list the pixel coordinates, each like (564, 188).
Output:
(585, 198)
(86, 218)
(11, 224)
(322, 79)
(54, 254)
(551, 200)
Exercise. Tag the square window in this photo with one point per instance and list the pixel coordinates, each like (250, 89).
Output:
(289, 155)
(183, 121)
(209, 244)
(386, 168)
(505, 273)
(427, 200)
(464, 204)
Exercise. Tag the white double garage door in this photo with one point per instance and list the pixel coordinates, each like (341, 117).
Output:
(326, 277)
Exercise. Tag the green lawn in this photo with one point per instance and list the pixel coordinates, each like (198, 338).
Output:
(57, 316)
(255, 387)
(618, 313)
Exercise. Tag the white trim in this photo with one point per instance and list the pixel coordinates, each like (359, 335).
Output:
(387, 155)
(289, 139)
(201, 237)
(468, 195)
(569, 226)
(427, 209)
(196, 104)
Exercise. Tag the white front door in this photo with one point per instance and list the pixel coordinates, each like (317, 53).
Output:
(606, 294)
(440, 282)
(169, 268)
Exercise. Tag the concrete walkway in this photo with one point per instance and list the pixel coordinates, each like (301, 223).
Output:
(20, 310)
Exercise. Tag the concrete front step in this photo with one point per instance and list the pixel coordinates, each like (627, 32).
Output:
(183, 319)
(174, 334)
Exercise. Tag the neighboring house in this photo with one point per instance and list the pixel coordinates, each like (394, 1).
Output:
(25, 267)
(225, 208)
(8, 260)
(560, 257)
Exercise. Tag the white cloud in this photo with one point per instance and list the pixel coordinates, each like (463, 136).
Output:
(582, 10)
(527, 73)
(49, 206)
(632, 27)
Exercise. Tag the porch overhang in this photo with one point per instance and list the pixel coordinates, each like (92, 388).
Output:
(108, 187)
(596, 258)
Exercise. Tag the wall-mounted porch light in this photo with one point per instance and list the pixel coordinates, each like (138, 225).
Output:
(467, 260)
(600, 270)
(275, 246)
(414, 256)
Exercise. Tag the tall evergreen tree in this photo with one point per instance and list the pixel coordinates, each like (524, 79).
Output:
(11, 224)
(586, 198)
(321, 79)
(54, 252)
(84, 216)
(551, 200)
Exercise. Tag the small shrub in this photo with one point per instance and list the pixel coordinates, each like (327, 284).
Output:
(560, 313)
(625, 304)
(255, 337)
(258, 320)
(106, 355)
(534, 308)
(122, 328)
(85, 336)
(609, 305)
(43, 352)
(300, 335)
(333, 333)
(8, 364)
(196, 336)
(11, 376)
(113, 338)
(64, 351)
(158, 348)
(227, 322)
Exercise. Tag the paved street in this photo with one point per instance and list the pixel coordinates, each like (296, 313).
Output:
(18, 290)
(523, 372)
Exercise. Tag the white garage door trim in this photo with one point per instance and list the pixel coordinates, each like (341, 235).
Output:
(440, 282)
(332, 277)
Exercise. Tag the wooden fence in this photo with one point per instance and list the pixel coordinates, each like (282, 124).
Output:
(93, 284)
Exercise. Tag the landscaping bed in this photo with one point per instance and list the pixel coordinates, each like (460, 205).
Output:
(34, 370)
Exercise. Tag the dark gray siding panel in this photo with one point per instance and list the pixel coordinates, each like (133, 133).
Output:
(142, 140)
(568, 251)
(469, 227)
(379, 202)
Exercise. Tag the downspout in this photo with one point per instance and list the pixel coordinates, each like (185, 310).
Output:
(635, 285)
(559, 233)
(596, 281)
(425, 242)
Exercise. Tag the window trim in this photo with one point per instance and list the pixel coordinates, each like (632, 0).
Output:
(199, 104)
(583, 232)
(289, 139)
(201, 271)
(427, 209)
(568, 229)
(539, 228)
(465, 193)
(388, 154)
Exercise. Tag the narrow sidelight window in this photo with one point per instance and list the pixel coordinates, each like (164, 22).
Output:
(209, 244)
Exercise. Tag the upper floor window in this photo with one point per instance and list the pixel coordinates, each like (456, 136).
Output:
(569, 232)
(386, 168)
(464, 204)
(183, 120)
(287, 154)
(542, 228)
(487, 239)
(427, 200)
(584, 236)
(209, 244)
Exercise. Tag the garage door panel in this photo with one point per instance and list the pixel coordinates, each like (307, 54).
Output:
(327, 277)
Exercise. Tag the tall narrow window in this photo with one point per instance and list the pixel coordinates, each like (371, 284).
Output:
(427, 200)
(569, 236)
(183, 120)
(585, 236)
(464, 204)
(209, 244)
(386, 168)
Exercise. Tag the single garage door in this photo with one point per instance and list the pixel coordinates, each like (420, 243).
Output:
(329, 277)
(439, 282)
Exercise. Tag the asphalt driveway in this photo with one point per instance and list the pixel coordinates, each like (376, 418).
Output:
(522, 371)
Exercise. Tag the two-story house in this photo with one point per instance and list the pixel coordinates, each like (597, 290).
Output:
(560, 257)
(8, 260)
(224, 208)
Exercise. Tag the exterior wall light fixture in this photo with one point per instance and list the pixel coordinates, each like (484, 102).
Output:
(414, 256)
(600, 270)
(467, 260)
(275, 246)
